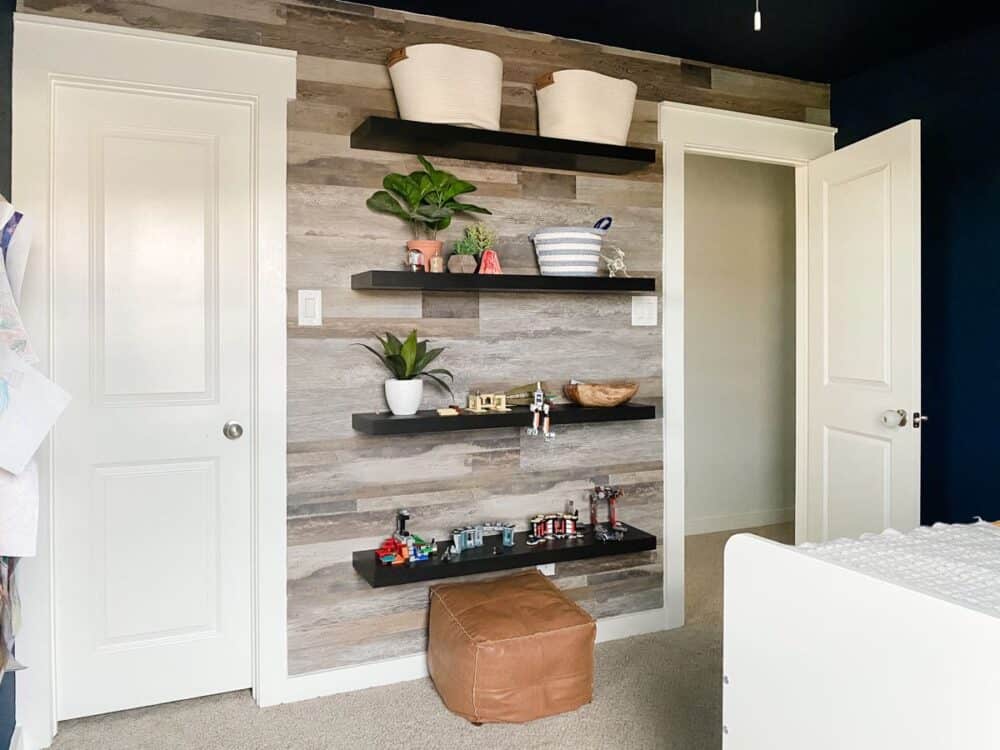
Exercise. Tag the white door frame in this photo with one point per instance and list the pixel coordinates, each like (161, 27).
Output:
(49, 53)
(687, 129)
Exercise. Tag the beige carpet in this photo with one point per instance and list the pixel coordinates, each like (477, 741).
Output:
(655, 691)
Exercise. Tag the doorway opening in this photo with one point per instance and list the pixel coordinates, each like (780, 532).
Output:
(739, 360)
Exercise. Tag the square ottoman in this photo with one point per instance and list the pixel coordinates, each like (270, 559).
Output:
(510, 650)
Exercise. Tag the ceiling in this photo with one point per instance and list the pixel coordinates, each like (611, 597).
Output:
(818, 40)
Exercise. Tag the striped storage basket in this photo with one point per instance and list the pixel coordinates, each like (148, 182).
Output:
(570, 251)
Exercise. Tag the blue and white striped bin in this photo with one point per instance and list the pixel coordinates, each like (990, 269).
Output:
(570, 251)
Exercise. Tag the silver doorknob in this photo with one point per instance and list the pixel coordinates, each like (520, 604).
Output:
(232, 430)
(894, 417)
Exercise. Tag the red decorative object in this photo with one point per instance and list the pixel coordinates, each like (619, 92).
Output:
(490, 262)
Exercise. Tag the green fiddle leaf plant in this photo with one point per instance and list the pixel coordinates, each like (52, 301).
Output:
(410, 359)
(426, 199)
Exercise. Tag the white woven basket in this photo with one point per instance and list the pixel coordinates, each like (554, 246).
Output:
(585, 106)
(570, 251)
(446, 84)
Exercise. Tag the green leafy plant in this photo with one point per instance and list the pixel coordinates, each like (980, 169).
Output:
(477, 237)
(409, 359)
(426, 199)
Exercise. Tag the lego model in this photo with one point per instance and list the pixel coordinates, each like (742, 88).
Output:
(615, 529)
(480, 403)
(403, 546)
(472, 537)
(540, 407)
(550, 526)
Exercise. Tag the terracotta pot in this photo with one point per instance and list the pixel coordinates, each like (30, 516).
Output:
(462, 263)
(429, 248)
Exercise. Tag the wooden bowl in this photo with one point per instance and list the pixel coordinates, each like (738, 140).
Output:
(600, 394)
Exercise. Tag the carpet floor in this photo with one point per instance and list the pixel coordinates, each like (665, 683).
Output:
(661, 691)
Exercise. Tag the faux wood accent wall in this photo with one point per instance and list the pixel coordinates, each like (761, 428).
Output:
(344, 488)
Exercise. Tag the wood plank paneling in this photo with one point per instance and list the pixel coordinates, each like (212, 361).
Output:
(343, 487)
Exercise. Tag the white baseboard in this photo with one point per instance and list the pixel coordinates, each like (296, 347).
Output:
(711, 524)
(414, 667)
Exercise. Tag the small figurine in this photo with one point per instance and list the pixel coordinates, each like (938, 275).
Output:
(540, 408)
(616, 265)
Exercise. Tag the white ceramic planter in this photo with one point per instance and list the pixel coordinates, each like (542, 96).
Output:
(585, 106)
(404, 396)
(447, 84)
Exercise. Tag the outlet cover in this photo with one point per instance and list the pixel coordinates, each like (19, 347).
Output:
(644, 310)
(549, 569)
(310, 307)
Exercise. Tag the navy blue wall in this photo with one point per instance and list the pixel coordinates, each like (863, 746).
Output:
(952, 89)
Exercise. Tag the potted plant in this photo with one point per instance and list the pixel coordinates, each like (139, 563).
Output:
(407, 361)
(427, 200)
(477, 238)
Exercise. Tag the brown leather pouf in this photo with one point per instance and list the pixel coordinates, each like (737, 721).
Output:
(510, 650)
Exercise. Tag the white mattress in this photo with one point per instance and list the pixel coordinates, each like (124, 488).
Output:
(960, 563)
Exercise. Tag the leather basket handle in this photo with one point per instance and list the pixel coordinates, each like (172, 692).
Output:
(546, 80)
(396, 56)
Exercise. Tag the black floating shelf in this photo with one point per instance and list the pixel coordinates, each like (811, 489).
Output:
(409, 137)
(474, 282)
(483, 560)
(373, 423)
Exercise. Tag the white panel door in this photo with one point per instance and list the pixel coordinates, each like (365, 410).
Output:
(152, 241)
(864, 337)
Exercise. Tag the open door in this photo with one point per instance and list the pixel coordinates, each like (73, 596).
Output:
(864, 415)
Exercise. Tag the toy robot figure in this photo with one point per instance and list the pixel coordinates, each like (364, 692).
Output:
(540, 414)
(615, 530)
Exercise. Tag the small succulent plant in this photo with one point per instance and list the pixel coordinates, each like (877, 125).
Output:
(477, 237)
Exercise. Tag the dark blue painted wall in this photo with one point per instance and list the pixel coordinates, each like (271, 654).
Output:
(952, 89)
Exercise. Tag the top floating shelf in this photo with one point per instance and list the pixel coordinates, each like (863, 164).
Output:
(474, 282)
(410, 137)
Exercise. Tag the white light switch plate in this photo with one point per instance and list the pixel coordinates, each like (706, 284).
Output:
(644, 310)
(310, 307)
(549, 569)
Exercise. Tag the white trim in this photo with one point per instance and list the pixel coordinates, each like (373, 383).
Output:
(47, 50)
(735, 521)
(17, 739)
(27, 18)
(684, 129)
(414, 667)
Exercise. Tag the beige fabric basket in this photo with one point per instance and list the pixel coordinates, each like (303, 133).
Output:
(446, 84)
(585, 106)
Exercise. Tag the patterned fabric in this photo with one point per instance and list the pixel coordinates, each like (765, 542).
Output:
(957, 562)
(10, 614)
(7, 233)
(13, 334)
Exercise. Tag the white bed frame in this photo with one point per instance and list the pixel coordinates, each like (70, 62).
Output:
(819, 657)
